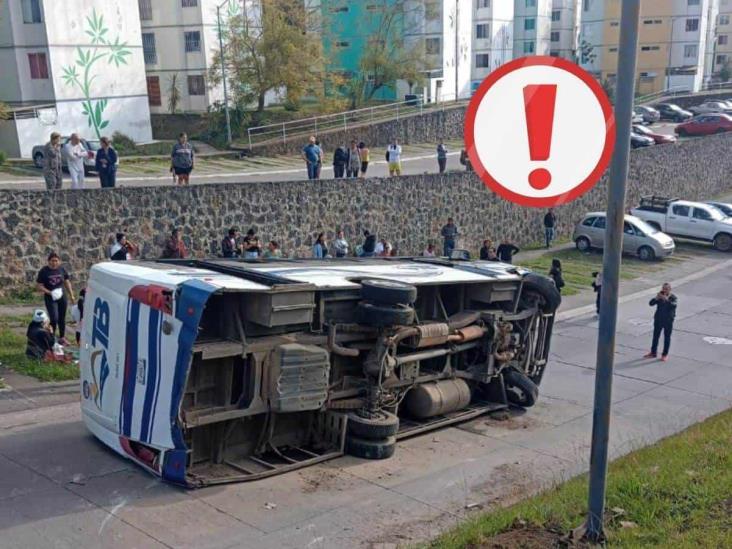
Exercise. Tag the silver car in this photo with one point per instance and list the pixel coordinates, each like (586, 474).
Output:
(639, 237)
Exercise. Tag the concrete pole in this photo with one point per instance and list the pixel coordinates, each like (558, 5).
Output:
(223, 75)
(625, 91)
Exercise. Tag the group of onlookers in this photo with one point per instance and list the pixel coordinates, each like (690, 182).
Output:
(350, 161)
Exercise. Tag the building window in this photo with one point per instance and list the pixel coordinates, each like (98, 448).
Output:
(557, 15)
(554, 53)
(693, 3)
(483, 60)
(482, 30)
(32, 11)
(148, 48)
(529, 47)
(344, 9)
(529, 23)
(586, 5)
(723, 39)
(614, 23)
(691, 51)
(721, 60)
(153, 91)
(723, 20)
(650, 48)
(613, 49)
(38, 66)
(145, 7)
(555, 36)
(196, 85)
(484, 4)
(193, 41)
(692, 25)
(530, 3)
(342, 44)
(189, 3)
(432, 46)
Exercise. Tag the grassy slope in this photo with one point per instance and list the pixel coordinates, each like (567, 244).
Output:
(676, 493)
(12, 355)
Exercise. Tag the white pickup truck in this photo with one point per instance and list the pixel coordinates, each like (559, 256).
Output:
(694, 220)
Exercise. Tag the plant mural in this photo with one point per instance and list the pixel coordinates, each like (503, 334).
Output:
(115, 53)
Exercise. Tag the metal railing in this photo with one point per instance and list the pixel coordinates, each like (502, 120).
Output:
(343, 120)
(31, 111)
(681, 90)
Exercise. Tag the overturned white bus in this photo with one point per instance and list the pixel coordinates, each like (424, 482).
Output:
(218, 371)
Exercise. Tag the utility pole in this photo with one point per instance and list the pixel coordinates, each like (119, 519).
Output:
(457, 47)
(624, 95)
(223, 73)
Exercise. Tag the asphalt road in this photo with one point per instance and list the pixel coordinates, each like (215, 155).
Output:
(59, 487)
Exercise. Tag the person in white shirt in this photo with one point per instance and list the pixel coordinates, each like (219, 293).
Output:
(75, 154)
(394, 158)
(340, 244)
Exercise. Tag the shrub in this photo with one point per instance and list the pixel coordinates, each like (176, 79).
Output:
(3, 157)
(123, 144)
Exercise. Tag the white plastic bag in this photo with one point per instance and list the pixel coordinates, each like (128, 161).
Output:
(57, 294)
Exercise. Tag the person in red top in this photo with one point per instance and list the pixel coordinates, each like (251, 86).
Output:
(174, 247)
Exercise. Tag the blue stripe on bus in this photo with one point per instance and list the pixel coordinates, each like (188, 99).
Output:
(157, 386)
(128, 391)
(151, 374)
(122, 400)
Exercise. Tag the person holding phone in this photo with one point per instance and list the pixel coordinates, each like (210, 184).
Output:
(663, 320)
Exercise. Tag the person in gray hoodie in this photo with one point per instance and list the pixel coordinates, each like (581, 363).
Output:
(181, 160)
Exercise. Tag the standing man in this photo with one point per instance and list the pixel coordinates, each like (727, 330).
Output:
(106, 164)
(506, 251)
(175, 248)
(229, 246)
(313, 156)
(340, 155)
(449, 234)
(251, 246)
(75, 154)
(663, 321)
(181, 160)
(52, 164)
(394, 158)
(441, 156)
(550, 221)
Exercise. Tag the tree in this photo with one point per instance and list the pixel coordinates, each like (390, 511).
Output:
(587, 53)
(173, 93)
(270, 50)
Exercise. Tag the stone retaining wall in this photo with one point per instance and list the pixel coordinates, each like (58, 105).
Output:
(408, 210)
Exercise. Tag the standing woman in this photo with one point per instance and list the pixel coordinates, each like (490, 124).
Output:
(106, 164)
(51, 281)
(364, 158)
(320, 248)
(52, 163)
(181, 160)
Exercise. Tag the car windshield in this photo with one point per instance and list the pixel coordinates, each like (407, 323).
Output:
(724, 209)
(645, 227)
(642, 129)
(673, 107)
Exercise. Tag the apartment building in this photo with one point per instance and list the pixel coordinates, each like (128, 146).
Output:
(72, 66)
(564, 36)
(532, 27)
(721, 49)
(492, 42)
(672, 42)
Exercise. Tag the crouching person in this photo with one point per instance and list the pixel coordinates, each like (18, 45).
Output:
(39, 336)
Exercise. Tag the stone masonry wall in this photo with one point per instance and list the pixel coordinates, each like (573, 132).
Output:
(408, 210)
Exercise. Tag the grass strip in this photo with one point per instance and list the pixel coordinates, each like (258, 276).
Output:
(12, 355)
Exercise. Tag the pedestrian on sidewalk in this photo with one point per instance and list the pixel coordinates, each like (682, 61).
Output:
(175, 248)
(229, 247)
(251, 245)
(441, 156)
(353, 161)
(449, 234)
(550, 222)
(52, 163)
(340, 245)
(51, 282)
(106, 164)
(182, 160)
(39, 336)
(75, 154)
(597, 286)
(394, 158)
(340, 156)
(320, 248)
(555, 273)
(506, 251)
(663, 320)
(313, 155)
(365, 154)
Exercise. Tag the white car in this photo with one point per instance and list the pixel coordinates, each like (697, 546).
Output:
(693, 220)
(639, 238)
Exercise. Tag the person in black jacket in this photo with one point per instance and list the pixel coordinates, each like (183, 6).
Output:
(506, 251)
(39, 336)
(369, 244)
(340, 156)
(555, 273)
(663, 321)
(229, 245)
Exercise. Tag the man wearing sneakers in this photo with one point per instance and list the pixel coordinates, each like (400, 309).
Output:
(665, 303)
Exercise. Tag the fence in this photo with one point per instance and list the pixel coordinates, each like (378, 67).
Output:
(681, 90)
(343, 120)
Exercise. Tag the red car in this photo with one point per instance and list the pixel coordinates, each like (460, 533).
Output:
(706, 124)
(659, 138)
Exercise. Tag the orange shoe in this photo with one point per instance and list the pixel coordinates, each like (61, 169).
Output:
(664, 358)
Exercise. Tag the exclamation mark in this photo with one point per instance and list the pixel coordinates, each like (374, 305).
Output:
(539, 100)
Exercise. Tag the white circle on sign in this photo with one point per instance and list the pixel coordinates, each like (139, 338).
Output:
(582, 131)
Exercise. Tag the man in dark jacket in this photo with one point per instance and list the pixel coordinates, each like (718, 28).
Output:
(369, 244)
(506, 251)
(665, 303)
(229, 246)
(340, 157)
(106, 164)
(550, 222)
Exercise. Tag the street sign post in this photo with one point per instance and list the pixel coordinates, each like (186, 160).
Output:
(540, 131)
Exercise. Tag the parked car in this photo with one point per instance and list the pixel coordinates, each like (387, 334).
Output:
(709, 107)
(636, 118)
(705, 124)
(658, 138)
(637, 140)
(724, 207)
(639, 238)
(89, 145)
(212, 371)
(693, 220)
(649, 114)
(672, 112)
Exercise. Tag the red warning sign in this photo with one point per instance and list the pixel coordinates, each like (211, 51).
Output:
(540, 131)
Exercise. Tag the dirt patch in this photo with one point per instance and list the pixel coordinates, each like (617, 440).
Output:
(315, 480)
(531, 537)
(512, 423)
